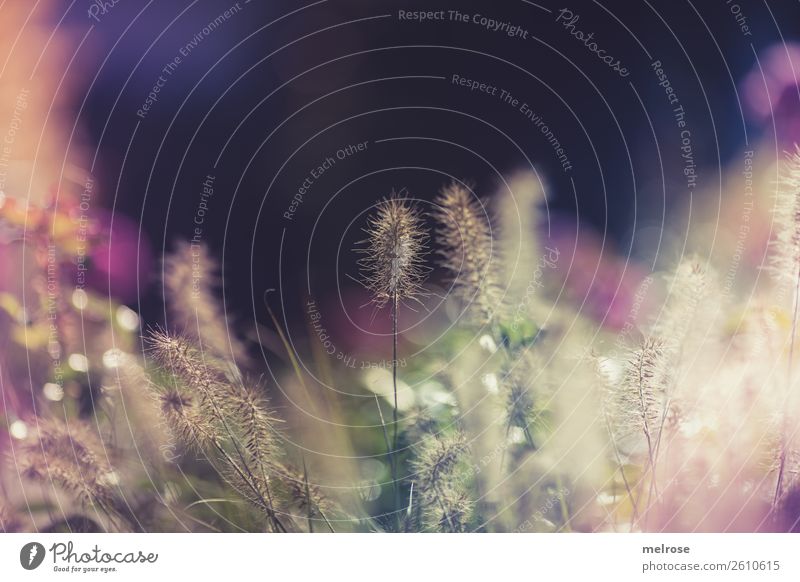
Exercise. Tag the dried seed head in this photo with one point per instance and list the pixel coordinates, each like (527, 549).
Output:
(173, 352)
(306, 496)
(191, 280)
(71, 456)
(689, 285)
(640, 401)
(424, 425)
(519, 214)
(9, 522)
(466, 247)
(785, 243)
(438, 477)
(212, 410)
(185, 420)
(258, 426)
(196, 370)
(196, 403)
(206, 407)
(393, 267)
(520, 406)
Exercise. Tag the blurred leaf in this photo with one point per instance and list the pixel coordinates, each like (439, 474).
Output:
(11, 305)
(32, 337)
(519, 334)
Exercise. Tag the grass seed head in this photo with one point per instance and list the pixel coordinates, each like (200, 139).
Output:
(393, 267)
(467, 250)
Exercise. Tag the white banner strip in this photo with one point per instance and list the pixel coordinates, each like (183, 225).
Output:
(371, 557)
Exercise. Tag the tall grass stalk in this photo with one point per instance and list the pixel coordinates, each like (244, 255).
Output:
(785, 265)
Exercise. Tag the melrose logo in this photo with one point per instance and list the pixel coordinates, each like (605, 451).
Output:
(31, 555)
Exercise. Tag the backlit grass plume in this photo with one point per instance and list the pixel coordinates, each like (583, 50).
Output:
(191, 278)
(466, 247)
(8, 521)
(785, 266)
(227, 421)
(609, 405)
(308, 498)
(640, 398)
(519, 216)
(785, 243)
(183, 417)
(393, 269)
(439, 478)
(72, 457)
(689, 284)
(636, 407)
(521, 411)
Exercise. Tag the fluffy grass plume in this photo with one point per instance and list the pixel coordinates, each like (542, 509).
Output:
(636, 408)
(393, 266)
(637, 402)
(184, 419)
(785, 243)
(519, 214)
(227, 421)
(8, 521)
(308, 498)
(393, 269)
(191, 279)
(520, 406)
(466, 247)
(72, 457)
(785, 266)
(688, 285)
(204, 398)
(443, 496)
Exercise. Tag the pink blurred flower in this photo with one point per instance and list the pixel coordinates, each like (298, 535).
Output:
(772, 90)
(120, 262)
(593, 274)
